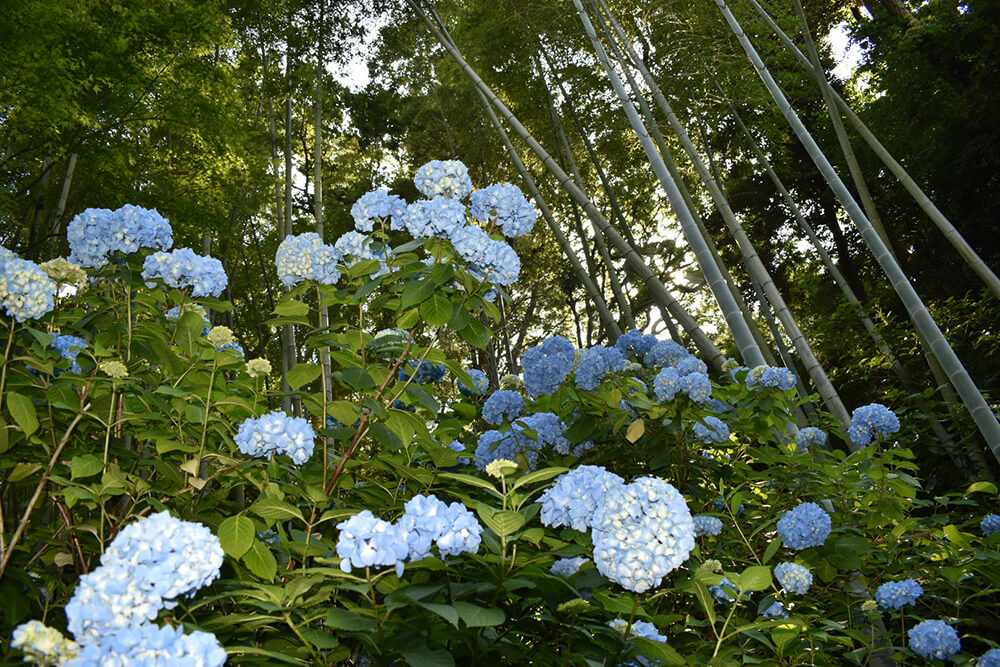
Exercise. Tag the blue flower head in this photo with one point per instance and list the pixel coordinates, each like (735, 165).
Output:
(26, 291)
(724, 591)
(776, 610)
(276, 433)
(500, 263)
(365, 541)
(636, 343)
(495, 445)
(503, 404)
(638, 629)
(426, 372)
(567, 567)
(595, 364)
(667, 384)
(147, 644)
(706, 524)
(358, 248)
(805, 526)
(471, 243)
(446, 178)
(990, 524)
(697, 386)
(507, 204)
(183, 268)
(479, 380)
(642, 532)
(438, 217)
(712, 429)
(810, 436)
(69, 347)
(306, 257)
(989, 659)
(794, 578)
(896, 594)
(376, 205)
(770, 376)
(427, 520)
(546, 365)
(576, 495)
(934, 639)
(872, 421)
(98, 232)
(665, 353)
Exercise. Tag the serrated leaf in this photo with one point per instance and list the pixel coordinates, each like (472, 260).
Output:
(662, 652)
(538, 476)
(981, 487)
(445, 611)
(470, 480)
(236, 535)
(271, 508)
(755, 578)
(772, 549)
(475, 616)
(260, 561)
(436, 311)
(23, 411)
(424, 656)
(291, 308)
(302, 374)
(416, 292)
(22, 470)
(476, 333)
(635, 430)
(85, 466)
(342, 619)
(502, 522)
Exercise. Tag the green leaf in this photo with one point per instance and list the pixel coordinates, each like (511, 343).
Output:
(635, 430)
(416, 292)
(755, 578)
(341, 619)
(983, 487)
(470, 480)
(261, 561)
(385, 435)
(479, 617)
(291, 308)
(355, 378)
(846, 553)
(436, 311)
(476, 333)
(236, 535)
(301, 374)
(272, 508)
(538, 476)
(85, 466)
(445, 611)
(772, 549)
(503, 522)
(344, 411)
(23, 411)
(956, 536)
(424, 656)
(459, 319)
(662, 652)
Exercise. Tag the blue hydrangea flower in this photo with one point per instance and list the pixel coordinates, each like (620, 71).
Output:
(989, 659)
(97, 232)
(805, 526)
(493, 445)
(934, 639)
(638, 629)
(724, 591)
(665, 353)
(705, 524)
(501, 264)
(810, 436)
(576, 495)
(567, 567)
(794, 578)
(426, 371)
(642, 532)
(376, 205)
(770, 376)
(359, 248)
(147, 644)
(548, 428)
(872, 421)
(715, 405)
(365, 541)
(69, 347)
(697, 386)
(895, 594)
(471, 243)
(667, 384)
(183, 268)
(776, 610)
(691, 364)
(479, 379)
(276, 433)
(306, 257)
(712, 429)
(434, 217)
(547, 365)
(427, 521)
(990, 524)
(457, 446)
(447, 178)
(502, 404)
(148, 565)
(26, 291)
(595, 364)
(636, 343)
(507, 204)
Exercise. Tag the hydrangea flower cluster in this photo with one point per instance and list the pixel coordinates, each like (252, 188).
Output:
(377, 205)
(706, 524)
(427, 520)
(896, 594)
(638, 629)
(151, 645)
(428, 218)
(810, 436)
(65, 272)
(989, 659)
(276, 433)
(576, 495)
(567, 567)
(457, 446)
(665, 353)
(548, 430)
(507, 205)
(642, 532)
(776, 610)
(479, 380)
(807, 525)
(934, 639)
(770, 376)
(447, 178)
(69, 347)
(546, 365)
(98, 232)
(990, 525)
(503, 404)
(494, 445)
(359, 248)
(366, 541)
(712, 429)
(26, 291)
(595, 363)
(794, 578)
(724, 591)
(42, 644)
(148, 565)
(636, 343)
(183, 268)
(306, 257)
(872, 421)
(425, 372)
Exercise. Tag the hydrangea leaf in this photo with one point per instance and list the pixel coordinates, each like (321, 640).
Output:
(428, 657)
(23, 411)
(291, 308)
(538, 476)
(635, 430)
(475, 333)
(342, 619)
(416, 292)
(85, 466)
(236, 535)
(475, 616)
(272, 508)
(261, 561)
(663, 653)
(445, 611)
(302, 374)
(755, 578)
(436, 311)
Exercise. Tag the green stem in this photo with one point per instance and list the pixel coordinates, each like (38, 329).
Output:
(324, 363)
(204, 420)
(107, 429)
(729, 617)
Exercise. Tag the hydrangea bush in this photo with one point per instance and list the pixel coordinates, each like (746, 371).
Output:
(621, 504)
